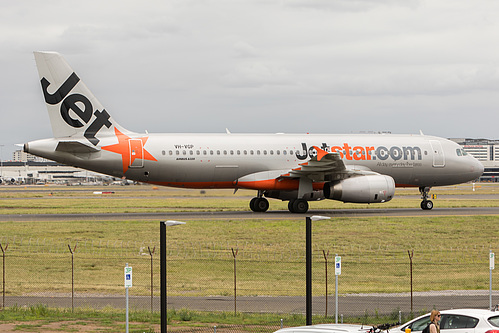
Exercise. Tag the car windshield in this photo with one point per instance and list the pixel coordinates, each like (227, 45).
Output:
(494, 321)
(418, 325)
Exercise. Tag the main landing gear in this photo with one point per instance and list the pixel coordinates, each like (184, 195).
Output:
(259, 204)
(298, 206)
(425, 204)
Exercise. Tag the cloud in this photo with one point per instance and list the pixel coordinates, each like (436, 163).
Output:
(257, 75)
(245, 50)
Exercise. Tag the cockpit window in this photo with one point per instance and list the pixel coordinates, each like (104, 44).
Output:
(461, 152)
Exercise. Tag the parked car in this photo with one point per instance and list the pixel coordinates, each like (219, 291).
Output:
(326, 328)
(457, 321)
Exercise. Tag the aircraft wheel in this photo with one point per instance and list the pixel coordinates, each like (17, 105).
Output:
(252, 204)
(427, 204)
(259, 204)
(290, 206)
(300, 206)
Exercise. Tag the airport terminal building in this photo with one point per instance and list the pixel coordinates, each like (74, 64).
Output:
(28, 169)
(487, 152)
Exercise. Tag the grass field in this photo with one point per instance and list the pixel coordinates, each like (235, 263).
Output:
(270, 251)
(130, 199)
(449, 252)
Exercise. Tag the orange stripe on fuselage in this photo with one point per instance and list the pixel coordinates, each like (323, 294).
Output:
(274, 184)
(198, 185)
(269, 184)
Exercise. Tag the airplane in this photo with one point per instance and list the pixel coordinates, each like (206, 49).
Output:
(298, 168)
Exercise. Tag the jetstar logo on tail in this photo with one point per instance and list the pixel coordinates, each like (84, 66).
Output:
(74, 102)
(127, 154)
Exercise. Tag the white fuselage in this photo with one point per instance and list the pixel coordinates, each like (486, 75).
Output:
(218, 160)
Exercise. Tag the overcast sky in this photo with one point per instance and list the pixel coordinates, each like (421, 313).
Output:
(297, 66)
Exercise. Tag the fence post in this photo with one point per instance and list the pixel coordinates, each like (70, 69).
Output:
(72, 276)
(326, 255)
(234, 254)
(3, 273)
(411, 255)
(152, 292)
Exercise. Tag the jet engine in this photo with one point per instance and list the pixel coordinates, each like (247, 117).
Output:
(361, 189)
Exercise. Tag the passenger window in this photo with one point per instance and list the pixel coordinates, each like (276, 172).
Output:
(457, 321)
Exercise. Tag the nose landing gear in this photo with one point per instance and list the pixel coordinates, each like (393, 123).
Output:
(425, 204)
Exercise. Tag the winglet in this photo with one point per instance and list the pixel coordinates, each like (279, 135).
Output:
(320, 153)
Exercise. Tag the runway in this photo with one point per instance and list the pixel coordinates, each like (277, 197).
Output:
(269, 215)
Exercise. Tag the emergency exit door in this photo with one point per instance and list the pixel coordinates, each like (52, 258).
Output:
(136, 153)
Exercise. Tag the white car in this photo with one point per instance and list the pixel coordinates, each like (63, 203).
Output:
(457, 321)
(327, 328)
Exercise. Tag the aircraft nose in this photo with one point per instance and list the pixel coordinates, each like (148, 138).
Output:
(477, 168)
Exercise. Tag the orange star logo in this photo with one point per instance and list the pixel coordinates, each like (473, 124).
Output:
(129, 149)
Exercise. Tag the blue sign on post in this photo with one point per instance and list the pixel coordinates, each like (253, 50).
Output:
(128, 277)
(337, 266)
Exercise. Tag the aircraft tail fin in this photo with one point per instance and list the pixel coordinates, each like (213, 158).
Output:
(73, 110)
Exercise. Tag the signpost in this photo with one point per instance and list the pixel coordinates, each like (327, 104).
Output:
(491, 267)
(337, 273)
(128, 284)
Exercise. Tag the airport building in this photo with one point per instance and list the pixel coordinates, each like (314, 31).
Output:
(30, 170)
(487, 152)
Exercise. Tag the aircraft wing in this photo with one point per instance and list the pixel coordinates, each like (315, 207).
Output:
(325, 166)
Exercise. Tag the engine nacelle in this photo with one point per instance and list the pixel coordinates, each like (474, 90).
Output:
(361, 189)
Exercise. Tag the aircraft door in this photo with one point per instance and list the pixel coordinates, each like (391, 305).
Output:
(438, 154)
(136, 153)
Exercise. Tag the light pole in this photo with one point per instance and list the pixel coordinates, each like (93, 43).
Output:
(308, 265)
(162, 248)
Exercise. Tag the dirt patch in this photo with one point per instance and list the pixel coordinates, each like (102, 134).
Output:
(56, 327)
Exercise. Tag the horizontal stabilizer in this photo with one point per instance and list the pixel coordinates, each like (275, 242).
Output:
(75, 147)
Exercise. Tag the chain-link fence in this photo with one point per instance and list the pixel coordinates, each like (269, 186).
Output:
(244, 276)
